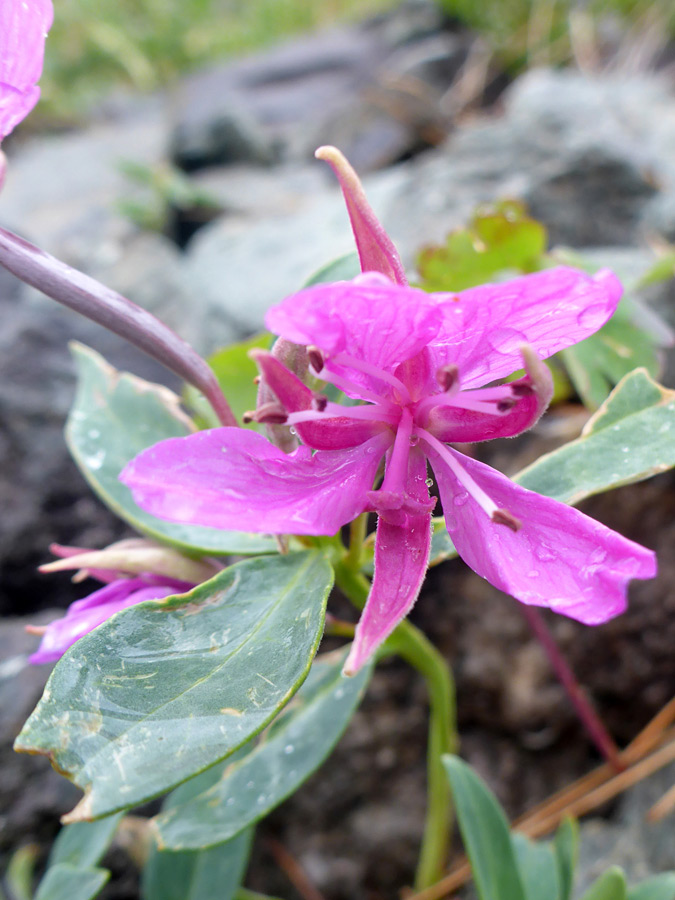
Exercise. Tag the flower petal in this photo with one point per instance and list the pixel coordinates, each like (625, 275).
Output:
(376, 250)
(559, 558)
(235, 479)
(485, 327)
(85, 615)
(401, 557)
(370, 319)
(530, 396)
(23, 29)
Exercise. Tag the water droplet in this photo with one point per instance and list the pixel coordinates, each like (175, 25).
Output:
(250, 784)
(593, 316)
(451, 522)
(544, 553)
(96, 460)
(261, 799)
(230, 801)
(461, 499)
(94, 433)
(288, 749)
(414, 440)
(429, 482)
(293, 431)
(598, 556)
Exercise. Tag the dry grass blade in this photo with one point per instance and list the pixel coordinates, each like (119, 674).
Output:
(293, 871)
(651, 750)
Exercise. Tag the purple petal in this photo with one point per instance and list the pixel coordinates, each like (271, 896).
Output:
(235, 479)
(484, 328)
(531, 395)
(85, 615)
(370, 319)
(295, 396)
(401, 557)
(23, 28)
(376, 250)
(559, 558)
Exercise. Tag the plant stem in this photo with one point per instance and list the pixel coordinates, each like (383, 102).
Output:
(594, 726)
(357, 535)
(412, 645)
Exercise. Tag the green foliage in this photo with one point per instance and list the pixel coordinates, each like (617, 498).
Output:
(291, 749)
(65, 882)
(499, 239)
(116, 415)
(165, 689)
(508, 866)
(502, 241)
(144, 44)
(627, 440)
(83, 844)
(199, 874)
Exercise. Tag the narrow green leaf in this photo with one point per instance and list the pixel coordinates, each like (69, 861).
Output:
(659, 887)
(294, 746)
(344, 268)
(485, 832)
(84, 843)
(537, 866)
(19, 874)
(566, 848)
(167, 688)
(114, 417)
(442, 547)
(64, 882)
(629, 438)
(611, 885)
(235, 372)
(214, 874)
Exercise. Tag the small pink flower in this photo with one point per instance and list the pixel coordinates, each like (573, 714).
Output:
(417, 363)
(120, 568)
(23, 29)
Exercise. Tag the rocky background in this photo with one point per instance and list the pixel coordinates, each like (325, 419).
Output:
(416, 106)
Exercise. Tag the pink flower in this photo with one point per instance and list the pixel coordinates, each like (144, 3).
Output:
(418, 364)
(23, 28)
(124, 585)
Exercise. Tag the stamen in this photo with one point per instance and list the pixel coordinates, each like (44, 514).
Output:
(315, 357)
(335, 411)
(350, 387)
(344, 359)
(504, 517)
(396, 473)
(448, 377)
(319, 402)
(267, 414)
(486, 504)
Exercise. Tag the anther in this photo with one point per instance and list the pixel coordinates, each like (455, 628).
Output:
(504, 517)
(266, 414)
(522, 390)
(257, 379)
(506, 404)
(315, 357)
(319, 402)
(447, 376)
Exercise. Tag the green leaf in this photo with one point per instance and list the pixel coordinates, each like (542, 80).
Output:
(500, 239)
(84, 843)
(114, 417)
(660, 887)
(442, 547)
(20, 869)
(65, 882)
(630, 438)
(214, 874)
(485, 832)
(166, 688)
(294, 746)
(538, 869)
(566, 848)
(235, 372)
(611, 885)
(344, 268)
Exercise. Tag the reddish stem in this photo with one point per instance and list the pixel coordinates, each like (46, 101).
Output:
(88, 297)
(588, 716)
